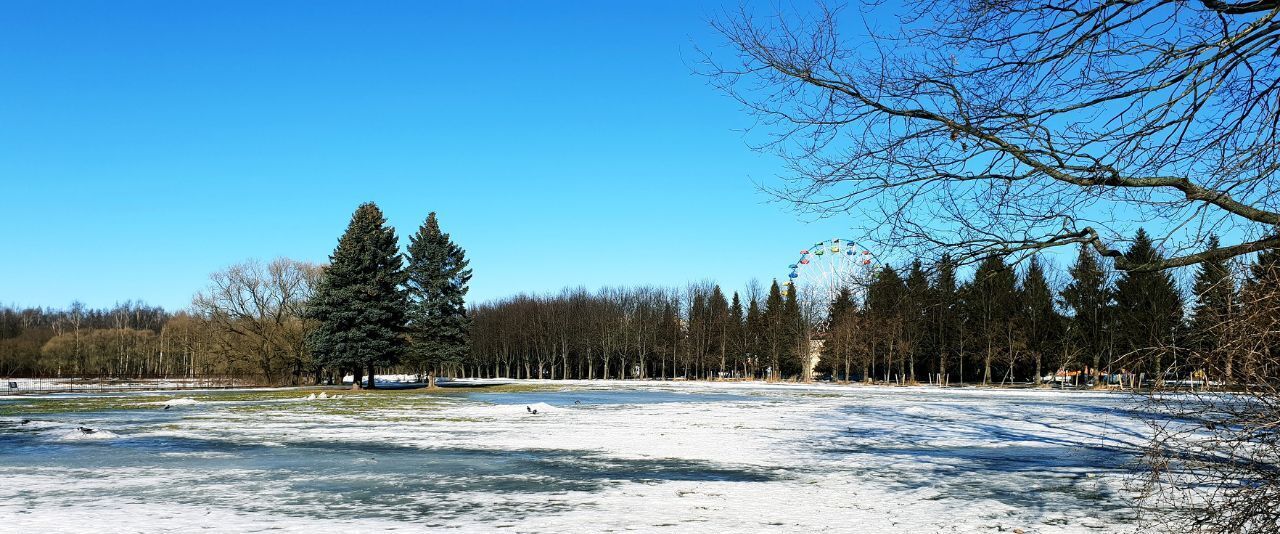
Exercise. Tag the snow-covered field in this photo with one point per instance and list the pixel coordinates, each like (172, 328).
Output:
(597, 457)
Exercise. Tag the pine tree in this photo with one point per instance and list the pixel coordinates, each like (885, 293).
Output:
(991, 302)
(718, 323)
(885, 296)
(795, 357)
(1148, 306)
(774, 330)
(736, 347)
(1040, 322)
(837, 349)
(946, 314)
(1264, 272)
(1214, 290)
(1261, 302)
(1088, 296)
(359, 306)
(437, 290)
(914, 308)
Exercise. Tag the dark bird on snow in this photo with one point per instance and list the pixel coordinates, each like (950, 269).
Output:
(167, 406)
(25, 421)
(528, 409)
(535, 412)
(87, 430)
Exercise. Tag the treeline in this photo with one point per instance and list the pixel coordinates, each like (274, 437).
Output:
(247, 325)
(374, 309)
(283, 322)
(914, 324)
(644, 332)
(43, 341)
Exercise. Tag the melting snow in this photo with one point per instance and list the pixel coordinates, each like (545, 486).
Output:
(708, 457)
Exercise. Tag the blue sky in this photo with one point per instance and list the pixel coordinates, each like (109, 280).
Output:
(144, 145)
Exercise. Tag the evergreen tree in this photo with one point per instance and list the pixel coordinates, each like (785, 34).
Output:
(837, 346)
(795, 355)
(1214, 290)
(884, 313)
(991, 303)
(437, 289)
(774, 330)
(735, 336)
(1261, 302)
(1148, 306)
(914, 308)
(1088, 296)
(1040, 322)
(359, 306)
(718, 321)
(945, 313)
(1264, 272)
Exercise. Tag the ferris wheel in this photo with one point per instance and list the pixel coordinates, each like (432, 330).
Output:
(827, 266)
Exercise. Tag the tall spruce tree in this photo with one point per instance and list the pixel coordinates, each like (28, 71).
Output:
(885, 298)
(774, 332)
(736, 336)
(1261, 299)
(837, 349)
(1214, 291)
(437, 287)
(1088, 295)
(915, 306)
(945, 313)
(1148, 307)
(359, 305)
(1264, 271)
(718, 328)
(795, 355)
(1040, 322)
(991, 302)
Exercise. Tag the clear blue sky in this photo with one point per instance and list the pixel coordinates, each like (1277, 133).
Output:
(144, 145)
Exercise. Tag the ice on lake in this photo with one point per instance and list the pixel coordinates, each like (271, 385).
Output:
(642, 456)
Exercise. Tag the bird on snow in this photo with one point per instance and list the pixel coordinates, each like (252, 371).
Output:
(535, 412)
(25, 421)
(167, 406)
(528, 409)
(87, 430)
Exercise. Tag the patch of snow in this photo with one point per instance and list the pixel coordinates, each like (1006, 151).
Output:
(75, 434)
(185, 401)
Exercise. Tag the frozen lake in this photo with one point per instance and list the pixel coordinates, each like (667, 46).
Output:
(598, 456)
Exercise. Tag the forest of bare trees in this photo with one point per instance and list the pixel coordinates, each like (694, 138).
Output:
(246, 325)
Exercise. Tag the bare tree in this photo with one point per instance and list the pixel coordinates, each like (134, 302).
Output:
(1216, 454)
(984, 126)
(259, 309)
